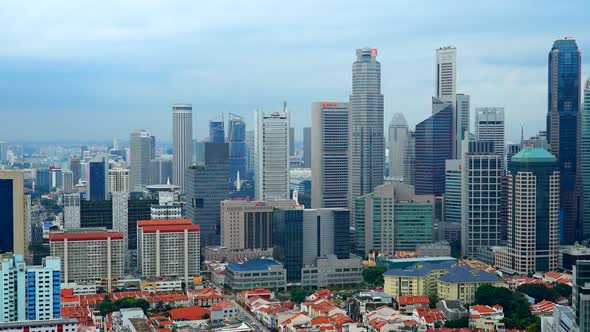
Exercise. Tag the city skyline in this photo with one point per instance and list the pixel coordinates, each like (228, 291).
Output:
(87, 71)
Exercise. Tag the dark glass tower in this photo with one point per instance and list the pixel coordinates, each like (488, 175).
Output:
(237, 147)
(98, 181)
(433, 147)
(6, 215)
(206, 186)
(287, 236)
(565, 60)
(216, 131)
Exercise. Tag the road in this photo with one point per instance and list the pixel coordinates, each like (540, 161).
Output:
(248, 317)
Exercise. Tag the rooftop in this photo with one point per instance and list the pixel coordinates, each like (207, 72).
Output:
(463, 273)
(255, 264)
(533, 155)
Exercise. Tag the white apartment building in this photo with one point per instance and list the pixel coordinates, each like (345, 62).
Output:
(118, 180)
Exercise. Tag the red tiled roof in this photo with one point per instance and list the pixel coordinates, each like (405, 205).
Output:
(222, 305)
(412, 299)
(163, 222)
(189, 313)
(170, 228)
(94, 236)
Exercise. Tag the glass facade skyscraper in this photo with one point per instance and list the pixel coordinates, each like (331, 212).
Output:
(585, 162)
(237, 147)
(287, 236)
(433, 148)
(216, 131)
(564, 77)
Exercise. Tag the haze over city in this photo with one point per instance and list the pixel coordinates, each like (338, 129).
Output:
(76, 72)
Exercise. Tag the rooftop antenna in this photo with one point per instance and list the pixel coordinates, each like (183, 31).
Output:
(285, 106)
(521, 135)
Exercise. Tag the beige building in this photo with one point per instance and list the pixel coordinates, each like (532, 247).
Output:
(118, 180)
(12, 197)
(168, 248)
(248, 224)
(89, 255)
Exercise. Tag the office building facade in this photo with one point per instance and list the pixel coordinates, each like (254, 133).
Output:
(581, 295)
(118, 180)
(398, 137)
(206, 186)
(142, 150)
(97, 174)
(182, 138)
(446, 91)
(563, 116)
(272, 155)
(12, 209)
(585, 162)
(367, 152)
(237, 148)
(216, 131)
(533, 211)
(307, 156)
(489, 127)
(330, 154)
(410, 159)
(433, 147)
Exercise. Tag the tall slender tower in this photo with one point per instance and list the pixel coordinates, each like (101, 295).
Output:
(367, 152)
(141, 146)
(446, 90)
(585, 163)
(565, 66)
(398, 137)
(489, 127)
(182, 137)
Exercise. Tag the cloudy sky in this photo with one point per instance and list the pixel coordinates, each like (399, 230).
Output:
(94, 70)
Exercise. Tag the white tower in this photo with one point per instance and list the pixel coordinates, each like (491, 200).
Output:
(182, 137)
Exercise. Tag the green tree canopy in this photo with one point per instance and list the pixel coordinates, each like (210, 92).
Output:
(563, 290)
(539, 292)
(374, 275)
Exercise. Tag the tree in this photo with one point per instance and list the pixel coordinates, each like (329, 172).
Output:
(539, 292)
(298, 294)
(517, 313)
(563, 290)
(458, 323)
(433, 300)
(205, 316)
(107, 306)
(374, 275)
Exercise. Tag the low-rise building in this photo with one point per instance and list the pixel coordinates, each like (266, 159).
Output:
(224, 254)
(330, 271)
(452, 309)
(407, 303)
(462, 281)
(204, 297)
(569, 255)
(224, 310)
(429, 318)
(364, 302)
(486, 317)
(50, 325)
(256, 273)
(436, 249)
(415, 280)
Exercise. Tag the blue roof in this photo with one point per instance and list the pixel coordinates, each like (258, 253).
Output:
(255, 264)
(463, 273)
(420, 269)
(457, 273)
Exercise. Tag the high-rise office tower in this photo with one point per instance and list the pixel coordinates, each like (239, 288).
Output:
(160, 171)
(367, 152)
(42, 179)
(533, 211)
(71, 203)
(581, 295)
(98, 168)
(481, 171)
(307, 147)
(237, 147)
(450, 228)
(12, 219)
(511, 150)
(565, 63)
(329, 150)
(410, 159)
(489, 127)
(89, 255)
(142, 151)
(68, 181)
(272, 155)
(206, 186)
(446, 89)
(291, 141)
(433, 147)
(462, 121)
(75, 168)
(182, 138)
(585, 162)
(3, 152)
(155, 256)
(216, 131)
(56, 175)
(118, 180)
(250, 153)
(398, 136)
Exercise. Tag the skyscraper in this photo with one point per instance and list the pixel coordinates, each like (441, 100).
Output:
(533, 211)
(237, 147)
(75, 168)
(433, 148)
(98, 178)
(142, 151)
(565, 63)
(118, 180)
(182, 138)
(250, 153)
(480, 197)
(489, 127)
(367, 152)
(581, 295)
(462, 122)
(12, 219)
(450, 229)
(3, 152)
(398, 136)
(291, 141)
(272, 155)
(307, 147)
(446, 90)
(410, 159)
(206, 186)
(329, 150)
(585, 162)
(216, 131)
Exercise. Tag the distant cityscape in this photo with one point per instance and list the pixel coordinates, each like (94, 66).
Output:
(358, 227)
